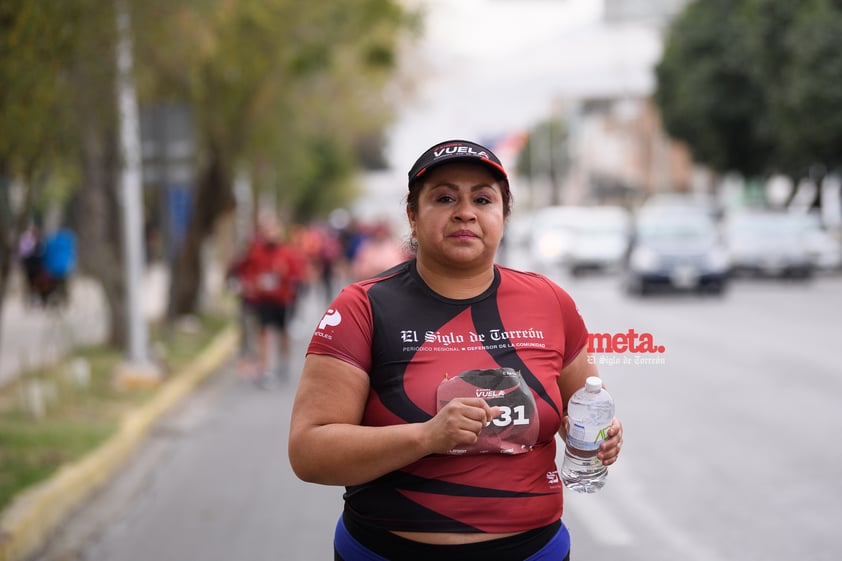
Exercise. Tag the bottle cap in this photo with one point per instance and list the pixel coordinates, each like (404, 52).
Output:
(593, 384)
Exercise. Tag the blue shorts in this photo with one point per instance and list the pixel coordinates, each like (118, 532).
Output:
(552, 543)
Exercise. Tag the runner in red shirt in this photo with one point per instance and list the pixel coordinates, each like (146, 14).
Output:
(434, 391)
(274, 271)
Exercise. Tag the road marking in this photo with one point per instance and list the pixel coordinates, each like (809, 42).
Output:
(606, 523)
(636, 500)
(593, 511)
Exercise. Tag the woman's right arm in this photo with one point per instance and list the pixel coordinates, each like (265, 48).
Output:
(328, 445)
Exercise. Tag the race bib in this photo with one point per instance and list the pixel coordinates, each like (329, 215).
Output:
(515, 430)
(268, 282)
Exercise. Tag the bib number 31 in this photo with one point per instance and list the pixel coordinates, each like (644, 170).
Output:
(506, 418)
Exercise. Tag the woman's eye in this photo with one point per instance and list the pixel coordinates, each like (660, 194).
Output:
(445, 199)
(483, 200)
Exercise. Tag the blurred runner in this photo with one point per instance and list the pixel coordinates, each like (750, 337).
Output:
(329, 257)
(276, 270)
(30, 249)
(241, 281)
(48, 265)
(379, 251)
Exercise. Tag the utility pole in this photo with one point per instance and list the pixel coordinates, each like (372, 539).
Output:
(137, 369)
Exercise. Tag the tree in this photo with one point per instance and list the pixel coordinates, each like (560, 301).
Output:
(752, 85)
(280, 88)
(808, 101)
(546, 154)
(39, 43)
(707, 93)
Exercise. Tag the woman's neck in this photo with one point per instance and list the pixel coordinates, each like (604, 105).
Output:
(454, 283)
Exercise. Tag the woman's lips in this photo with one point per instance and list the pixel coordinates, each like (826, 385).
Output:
(462, 234)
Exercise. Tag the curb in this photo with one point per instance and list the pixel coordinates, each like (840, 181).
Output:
(28, 522)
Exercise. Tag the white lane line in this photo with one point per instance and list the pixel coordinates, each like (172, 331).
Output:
(607, 513)
(636, 501)
(596, 514)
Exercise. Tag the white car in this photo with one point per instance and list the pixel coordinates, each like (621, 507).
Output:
(823, 249)
(768, 244)
(580, 238)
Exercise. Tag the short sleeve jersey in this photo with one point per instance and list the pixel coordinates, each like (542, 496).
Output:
(409, 339)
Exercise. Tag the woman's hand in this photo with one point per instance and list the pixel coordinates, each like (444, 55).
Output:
(459, 423)
(609, 449)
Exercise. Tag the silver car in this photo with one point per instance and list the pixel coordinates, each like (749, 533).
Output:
(679, 251)
(767, 244)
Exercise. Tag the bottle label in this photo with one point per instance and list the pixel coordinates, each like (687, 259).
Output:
(583, 437)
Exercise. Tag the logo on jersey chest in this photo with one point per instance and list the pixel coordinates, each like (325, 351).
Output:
(471, 340)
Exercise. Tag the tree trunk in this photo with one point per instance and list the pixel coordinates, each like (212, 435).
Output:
(99, 229)
(213, 197)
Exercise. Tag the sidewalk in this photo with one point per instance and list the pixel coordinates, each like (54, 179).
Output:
(33, 337)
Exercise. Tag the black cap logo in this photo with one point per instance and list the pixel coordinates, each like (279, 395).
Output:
(456, 150)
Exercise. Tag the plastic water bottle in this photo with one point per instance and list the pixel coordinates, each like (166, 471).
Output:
(590, 412)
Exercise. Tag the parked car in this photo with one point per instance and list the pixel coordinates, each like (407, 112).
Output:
(599, 239)
(581, 238)
(768, 244)
(682, 251)
(823, 249)
(550, 236)
(683, 203)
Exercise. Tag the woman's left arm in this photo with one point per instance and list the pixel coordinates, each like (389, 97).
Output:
(572, 378)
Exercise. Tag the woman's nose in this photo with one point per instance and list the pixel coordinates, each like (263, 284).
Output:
(464, 211)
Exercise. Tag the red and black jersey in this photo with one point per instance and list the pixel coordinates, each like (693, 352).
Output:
(410, 339)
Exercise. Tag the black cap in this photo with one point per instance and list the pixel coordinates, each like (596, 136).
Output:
(456, 150)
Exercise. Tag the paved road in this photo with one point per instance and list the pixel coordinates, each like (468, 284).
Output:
(729, 450)
(726, 456)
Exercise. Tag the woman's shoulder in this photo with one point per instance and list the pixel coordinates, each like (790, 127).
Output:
(531, 280)
(361, 289)
(395, 271)
(528, 277)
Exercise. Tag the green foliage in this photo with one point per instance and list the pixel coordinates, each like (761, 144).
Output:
(255, 72)
(32, 451)
(706, 91)
(750, 85)
(545, 152)
(37, 43)
(281, 88)
(274, 81)
(329, 162)
(810, 100)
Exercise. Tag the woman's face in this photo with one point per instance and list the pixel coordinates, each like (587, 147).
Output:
(460, 219)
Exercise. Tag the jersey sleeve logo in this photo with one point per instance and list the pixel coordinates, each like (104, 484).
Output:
(331, 318)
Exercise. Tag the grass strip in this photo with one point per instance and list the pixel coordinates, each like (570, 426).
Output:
(53, 416)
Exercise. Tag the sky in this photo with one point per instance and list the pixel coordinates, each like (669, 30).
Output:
(488, 68)
(485, 69)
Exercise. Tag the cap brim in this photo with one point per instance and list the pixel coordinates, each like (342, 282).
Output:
(496, 168)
